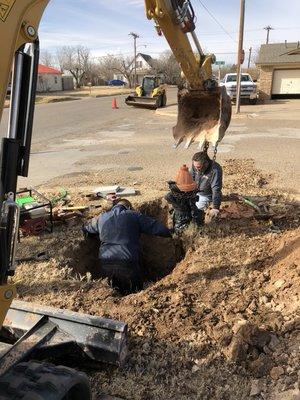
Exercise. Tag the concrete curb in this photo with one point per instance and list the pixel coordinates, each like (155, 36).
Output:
(60, 99)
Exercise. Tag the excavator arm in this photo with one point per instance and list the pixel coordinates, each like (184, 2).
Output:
(167, 21)
(204, 109)
(19, 22)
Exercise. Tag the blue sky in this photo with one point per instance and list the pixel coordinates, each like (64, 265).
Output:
(103, 25)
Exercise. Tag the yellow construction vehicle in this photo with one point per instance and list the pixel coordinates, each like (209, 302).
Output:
(204, 109)
(32, 332)
(150, 94)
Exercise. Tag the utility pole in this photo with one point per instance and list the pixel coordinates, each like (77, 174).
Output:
(249, 59)
(240, 56)
(268, 29)
(135, 37)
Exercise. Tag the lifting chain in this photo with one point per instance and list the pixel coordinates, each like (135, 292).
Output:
(205, 147)
(215, 151)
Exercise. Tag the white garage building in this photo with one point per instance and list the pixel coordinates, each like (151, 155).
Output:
(279, 65)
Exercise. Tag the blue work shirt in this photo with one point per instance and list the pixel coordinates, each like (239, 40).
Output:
(119, 231)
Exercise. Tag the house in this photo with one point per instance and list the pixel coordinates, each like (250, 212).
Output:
(279, 65)
(144, 66)
(49, 79)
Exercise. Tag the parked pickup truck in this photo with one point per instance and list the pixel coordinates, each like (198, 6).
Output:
(249, 88)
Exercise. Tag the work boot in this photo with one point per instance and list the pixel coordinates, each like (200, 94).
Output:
(198, 217)
(181, 220)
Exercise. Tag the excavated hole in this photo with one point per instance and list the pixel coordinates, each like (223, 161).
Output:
(159, 256)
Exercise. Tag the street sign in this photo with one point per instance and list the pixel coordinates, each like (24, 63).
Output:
(220, 63)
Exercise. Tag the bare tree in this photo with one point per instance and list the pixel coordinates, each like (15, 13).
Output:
(76, 60)
(106, 66)
(110, 64)
(95, 75)
(47, 58)
(231, 68)
(167, 65)
(225, 69)
(254, 72)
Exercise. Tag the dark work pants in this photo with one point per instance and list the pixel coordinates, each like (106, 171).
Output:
(182, 219)
(125, 278)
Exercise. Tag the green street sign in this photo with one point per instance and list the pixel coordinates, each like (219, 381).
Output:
(220, 63)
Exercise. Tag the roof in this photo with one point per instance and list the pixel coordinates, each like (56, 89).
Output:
(279, 53)
(146, 57)
(43, 69)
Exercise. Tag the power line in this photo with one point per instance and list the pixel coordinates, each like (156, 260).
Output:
(215, 19)
(250, 30)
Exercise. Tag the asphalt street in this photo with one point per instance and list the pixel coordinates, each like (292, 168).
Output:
(82, 135)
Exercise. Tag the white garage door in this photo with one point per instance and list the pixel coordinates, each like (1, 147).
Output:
(286, 81)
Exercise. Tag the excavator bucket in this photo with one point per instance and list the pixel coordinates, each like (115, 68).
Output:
(142, 101)
(41, 332)
(203, 116)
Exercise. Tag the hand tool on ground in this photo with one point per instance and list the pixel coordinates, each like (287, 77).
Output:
(42, 256)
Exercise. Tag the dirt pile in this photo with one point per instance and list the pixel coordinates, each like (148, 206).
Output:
(223, 324)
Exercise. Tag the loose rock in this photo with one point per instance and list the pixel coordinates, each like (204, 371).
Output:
(276, 372)
(278, 284)
(255, 388)
(261, 366)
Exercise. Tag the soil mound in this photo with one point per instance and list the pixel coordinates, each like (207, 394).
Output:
(222, 322)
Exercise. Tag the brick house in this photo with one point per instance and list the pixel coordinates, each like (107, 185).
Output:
(279, 65)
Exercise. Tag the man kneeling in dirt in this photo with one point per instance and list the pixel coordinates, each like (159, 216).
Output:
(183, 197)
(119, 231)
(208, 176)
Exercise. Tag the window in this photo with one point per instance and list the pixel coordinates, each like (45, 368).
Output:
(245, 78)
(55, 80)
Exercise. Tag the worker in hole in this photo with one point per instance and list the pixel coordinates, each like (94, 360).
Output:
(183, 197)
(207, 174)
(119, 232)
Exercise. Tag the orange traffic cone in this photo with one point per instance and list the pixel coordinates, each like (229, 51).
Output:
(114, 105)
(184, 180)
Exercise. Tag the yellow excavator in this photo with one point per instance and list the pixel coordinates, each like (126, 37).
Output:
(150, 94)
(30, 332)
(204, 108)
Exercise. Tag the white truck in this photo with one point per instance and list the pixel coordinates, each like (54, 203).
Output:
(248, 87)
